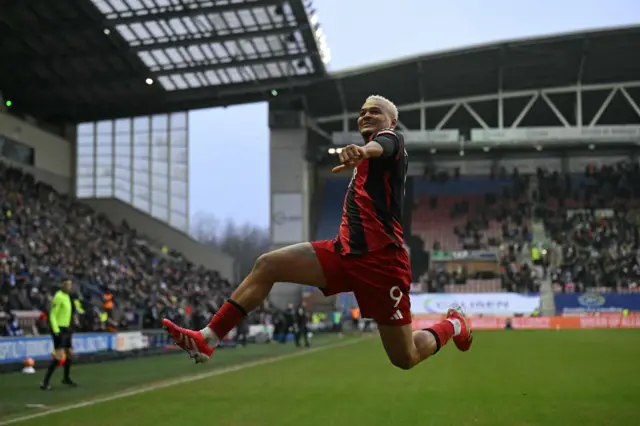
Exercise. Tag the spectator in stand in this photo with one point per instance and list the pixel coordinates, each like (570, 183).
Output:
(11, 326)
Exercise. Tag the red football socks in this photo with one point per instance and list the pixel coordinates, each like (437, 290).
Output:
(226, 318)
(443, 332)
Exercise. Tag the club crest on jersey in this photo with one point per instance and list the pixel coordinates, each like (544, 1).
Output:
(353, 176)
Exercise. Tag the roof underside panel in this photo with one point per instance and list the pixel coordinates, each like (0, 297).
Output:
(189, 45)
(79, 60)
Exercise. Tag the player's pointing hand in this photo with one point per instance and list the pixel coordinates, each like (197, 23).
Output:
(350, 156)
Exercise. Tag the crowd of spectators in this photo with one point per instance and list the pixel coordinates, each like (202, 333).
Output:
(45, 236)
(593, 222)
(510, 209)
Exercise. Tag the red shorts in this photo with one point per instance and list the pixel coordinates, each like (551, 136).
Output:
(380, 280)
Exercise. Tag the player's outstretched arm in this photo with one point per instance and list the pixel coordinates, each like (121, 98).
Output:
(351, 155)
(385, 144)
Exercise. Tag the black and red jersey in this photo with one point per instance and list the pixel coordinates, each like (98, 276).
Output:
(372, 212)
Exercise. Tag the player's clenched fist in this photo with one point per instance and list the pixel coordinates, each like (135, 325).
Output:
(350, 156)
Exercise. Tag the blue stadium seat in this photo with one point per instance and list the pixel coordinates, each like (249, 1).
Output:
(465, 185)
(331, 210)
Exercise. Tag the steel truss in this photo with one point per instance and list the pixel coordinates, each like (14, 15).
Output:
(532, 95)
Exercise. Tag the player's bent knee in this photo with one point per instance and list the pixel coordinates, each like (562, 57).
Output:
(265, 265)
(272, 265)
(403, 362)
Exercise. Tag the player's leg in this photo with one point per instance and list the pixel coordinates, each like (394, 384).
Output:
(407, 348)
(302, 263)
(404, 347)
(297, 263)
(381, 283)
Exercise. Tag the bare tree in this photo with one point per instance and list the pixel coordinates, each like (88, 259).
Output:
(242, 242)
(205, 227)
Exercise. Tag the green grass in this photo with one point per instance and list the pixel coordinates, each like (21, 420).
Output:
(508, 378)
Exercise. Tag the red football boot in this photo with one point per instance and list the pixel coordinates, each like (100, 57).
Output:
(463, 340)
(191, 341)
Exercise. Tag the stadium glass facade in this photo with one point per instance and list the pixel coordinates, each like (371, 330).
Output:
(142, 161)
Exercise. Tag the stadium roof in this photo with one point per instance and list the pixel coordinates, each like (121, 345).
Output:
(587, 57)
(83, 60)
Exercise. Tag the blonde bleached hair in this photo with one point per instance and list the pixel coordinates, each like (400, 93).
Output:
(391, 107)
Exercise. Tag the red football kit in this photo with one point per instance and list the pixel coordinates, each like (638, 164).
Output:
(368, 255)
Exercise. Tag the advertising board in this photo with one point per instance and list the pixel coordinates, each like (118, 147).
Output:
(495, 304)
(16, 349)
(572, 303)
(538, 323)
(129, 341)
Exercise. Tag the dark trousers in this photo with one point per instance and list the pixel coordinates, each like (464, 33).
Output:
(302, 332)
(241, 338)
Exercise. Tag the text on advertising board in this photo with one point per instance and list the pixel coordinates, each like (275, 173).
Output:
(475, 303)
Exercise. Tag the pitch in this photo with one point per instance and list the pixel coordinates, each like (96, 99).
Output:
(509, 378)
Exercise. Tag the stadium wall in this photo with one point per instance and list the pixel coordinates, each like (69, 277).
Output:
(52, 154)
(163, 234)
(291, 186)
(60, 183)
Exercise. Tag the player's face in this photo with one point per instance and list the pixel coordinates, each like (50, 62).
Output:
(66, 285)
(374, 116)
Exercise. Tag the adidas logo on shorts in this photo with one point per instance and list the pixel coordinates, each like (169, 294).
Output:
(397, 315)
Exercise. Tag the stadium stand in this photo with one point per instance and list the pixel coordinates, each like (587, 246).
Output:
(40, 234)
(592, 235)
(592, 219)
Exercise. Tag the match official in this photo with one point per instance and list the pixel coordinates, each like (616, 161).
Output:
(60, 318)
